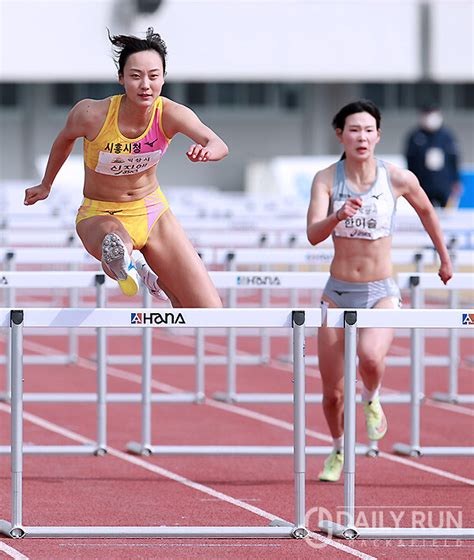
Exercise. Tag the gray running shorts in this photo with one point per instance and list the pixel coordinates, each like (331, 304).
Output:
(360, 295)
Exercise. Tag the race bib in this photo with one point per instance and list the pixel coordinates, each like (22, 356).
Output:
(119, 164)
(369, 222)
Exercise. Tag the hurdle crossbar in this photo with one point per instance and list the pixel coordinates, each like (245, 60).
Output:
(149, 318)
(350, 321)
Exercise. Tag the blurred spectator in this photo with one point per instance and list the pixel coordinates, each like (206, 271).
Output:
(432, 155)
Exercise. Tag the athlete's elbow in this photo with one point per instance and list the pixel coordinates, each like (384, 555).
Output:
(225, 150)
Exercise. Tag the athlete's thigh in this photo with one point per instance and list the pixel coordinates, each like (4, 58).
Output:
(331, 355)
(92, 231)
(376, 342)
(171, 255)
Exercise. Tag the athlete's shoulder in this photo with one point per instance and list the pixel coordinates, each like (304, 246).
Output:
(91, 109)
(399, 177)
(325, 175)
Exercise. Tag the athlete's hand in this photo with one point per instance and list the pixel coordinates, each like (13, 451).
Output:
(197, 153)
(33, 194)
(445, 271)
(349, 208)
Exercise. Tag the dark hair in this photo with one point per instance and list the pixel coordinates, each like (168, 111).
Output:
(360, 106)
(125, 45)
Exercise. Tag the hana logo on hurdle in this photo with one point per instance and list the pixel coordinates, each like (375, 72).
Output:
(157, 319)
(468, 319)
(256, 280)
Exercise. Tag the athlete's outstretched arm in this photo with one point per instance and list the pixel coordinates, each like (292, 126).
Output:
(74, 128)
(178, 118)
(411, 189)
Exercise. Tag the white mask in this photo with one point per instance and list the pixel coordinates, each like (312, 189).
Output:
(431, 121)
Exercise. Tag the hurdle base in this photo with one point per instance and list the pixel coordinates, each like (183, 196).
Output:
(57, 450)
(350, 533)
(15, 532)
(406, 449)
(454, 399)
(298, 532)
(337, 530)
(452, 451)
(323, 450)
(137, 448)
(279, 398)
(150, 532)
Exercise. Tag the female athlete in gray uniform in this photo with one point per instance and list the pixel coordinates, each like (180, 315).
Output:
(354, 200)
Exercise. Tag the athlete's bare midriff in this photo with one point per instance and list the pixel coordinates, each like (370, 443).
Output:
(361, 260)
(108, 188)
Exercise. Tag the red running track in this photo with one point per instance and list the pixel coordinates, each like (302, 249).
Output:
(122, 489)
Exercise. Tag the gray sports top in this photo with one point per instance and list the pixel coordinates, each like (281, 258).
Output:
(375, 219)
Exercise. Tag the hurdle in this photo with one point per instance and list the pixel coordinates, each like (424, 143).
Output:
(12, 280)
(460, 281)
(350, 321)
(278, 280)
(417, 284)
(294, 257)
(146, 318)
(87, 279)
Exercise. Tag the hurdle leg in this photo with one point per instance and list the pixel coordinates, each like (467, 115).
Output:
(348, 531)
(299, 431)
(9, 303)
(200, 357)
(101, 338)
(453, 389)
(413, 448)
(15, 528)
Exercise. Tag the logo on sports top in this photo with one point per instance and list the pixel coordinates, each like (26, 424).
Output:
(258, 280)
(4, 281)
(468, 319)
(157, 319)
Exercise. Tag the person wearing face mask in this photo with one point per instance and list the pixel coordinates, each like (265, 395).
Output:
(432, 155)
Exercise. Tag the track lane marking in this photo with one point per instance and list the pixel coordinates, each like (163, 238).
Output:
(137, 461)
(12, 552)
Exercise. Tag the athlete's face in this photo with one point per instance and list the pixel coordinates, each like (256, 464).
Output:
(359, 136)
(143, 77)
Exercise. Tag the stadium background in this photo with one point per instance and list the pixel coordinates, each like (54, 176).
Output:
(267, 75)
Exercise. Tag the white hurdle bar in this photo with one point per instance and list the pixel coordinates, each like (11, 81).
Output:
(350, 321)
(147, 318)
(460, 281)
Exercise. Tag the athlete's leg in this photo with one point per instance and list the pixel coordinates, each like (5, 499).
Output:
(93, 230)
(182, 274)
(331, 367)
(373, 347)
(108, 241)
(374, 344)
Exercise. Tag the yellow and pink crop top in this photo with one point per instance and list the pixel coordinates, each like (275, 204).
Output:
(111, 153)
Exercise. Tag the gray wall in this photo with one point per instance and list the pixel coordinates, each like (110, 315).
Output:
(28, 131)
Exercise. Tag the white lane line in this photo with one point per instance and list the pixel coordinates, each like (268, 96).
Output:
(11, 552)
(137, 461)
(136, 378)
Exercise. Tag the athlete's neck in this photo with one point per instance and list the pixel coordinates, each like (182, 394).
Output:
(134, 114)
(361, 173)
